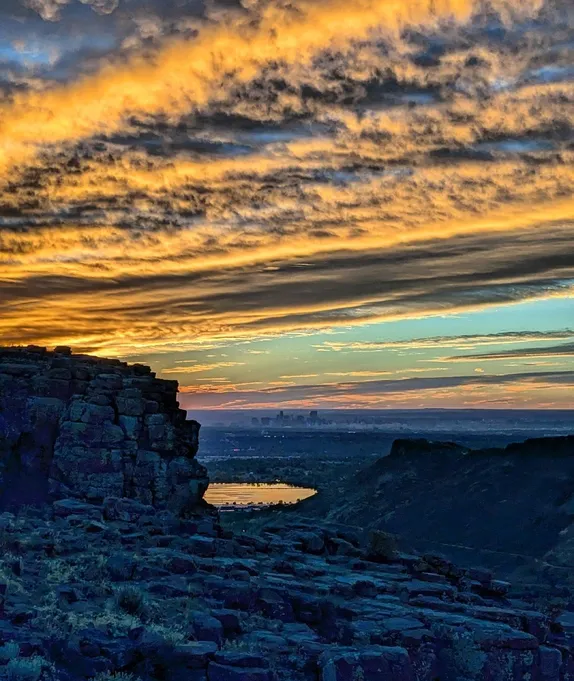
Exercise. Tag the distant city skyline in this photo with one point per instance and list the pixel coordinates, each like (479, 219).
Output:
(411, 422)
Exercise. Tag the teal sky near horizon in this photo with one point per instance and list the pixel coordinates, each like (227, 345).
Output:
(332, 366)
(314, 204)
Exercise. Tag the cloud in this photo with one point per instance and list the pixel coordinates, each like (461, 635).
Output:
(201, 368)
(299, 376)
(185, 75)
(461, 342)
(155, 294)
(50, 10)
(474, 388)
(357, 374)
(563, 350)
(186, 177)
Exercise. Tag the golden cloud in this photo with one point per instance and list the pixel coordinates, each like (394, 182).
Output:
(188, 74)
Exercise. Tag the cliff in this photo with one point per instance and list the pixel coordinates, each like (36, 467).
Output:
(510, 508)
(80, 426)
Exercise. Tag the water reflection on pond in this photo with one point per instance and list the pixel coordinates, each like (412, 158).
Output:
(248, 494)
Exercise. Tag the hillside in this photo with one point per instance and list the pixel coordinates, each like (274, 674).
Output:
(510, 509)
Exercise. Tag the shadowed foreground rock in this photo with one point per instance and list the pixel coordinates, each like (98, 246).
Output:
(122, 587)
(90, 428)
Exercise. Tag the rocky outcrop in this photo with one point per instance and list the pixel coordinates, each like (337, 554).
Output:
(90, 428)
(511, 509)
(178, 599)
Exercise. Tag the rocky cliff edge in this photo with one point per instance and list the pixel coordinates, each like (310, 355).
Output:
(80, 426)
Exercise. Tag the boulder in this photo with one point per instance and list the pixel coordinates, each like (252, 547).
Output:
(194, 655)
(125, 509)
(65, 508)
(121, 566)
(233, 658)
(204, 627)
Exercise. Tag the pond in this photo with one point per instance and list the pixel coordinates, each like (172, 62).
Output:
(258, 494)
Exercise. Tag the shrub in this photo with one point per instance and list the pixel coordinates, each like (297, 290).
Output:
(131, 600)
(13, 583)
(240, 646)
(60, 571)
(114, 676)
(172, 635)
(95, 569)
(113, 622)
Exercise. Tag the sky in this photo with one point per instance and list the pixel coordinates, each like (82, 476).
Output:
(295, 204)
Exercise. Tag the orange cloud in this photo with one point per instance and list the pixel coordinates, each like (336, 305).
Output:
(188, 74)
(201, 368)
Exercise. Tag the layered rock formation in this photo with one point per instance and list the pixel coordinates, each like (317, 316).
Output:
(90, 428)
